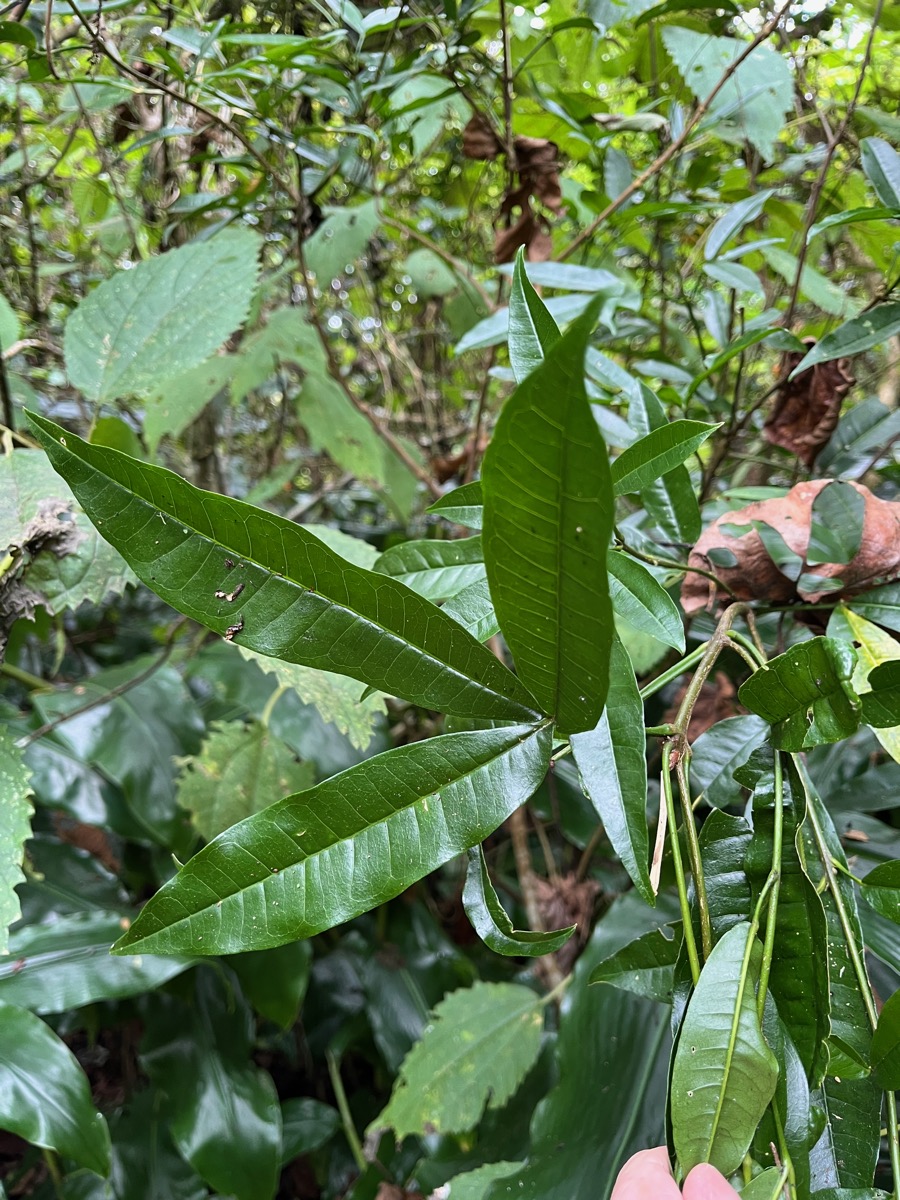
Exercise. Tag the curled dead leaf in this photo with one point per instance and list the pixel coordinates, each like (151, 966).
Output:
(744, 565)
(807, 408)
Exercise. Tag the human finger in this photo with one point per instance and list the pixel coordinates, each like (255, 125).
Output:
(646, 1176)
(705, 1183)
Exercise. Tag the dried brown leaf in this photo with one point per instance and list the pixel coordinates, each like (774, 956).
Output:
(807, 408)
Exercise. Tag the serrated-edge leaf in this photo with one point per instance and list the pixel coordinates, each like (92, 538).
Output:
(180, 540)
(491, 922)
(319, 858)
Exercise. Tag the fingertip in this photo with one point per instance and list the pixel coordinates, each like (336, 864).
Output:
(646, 1173)
(706, 1183)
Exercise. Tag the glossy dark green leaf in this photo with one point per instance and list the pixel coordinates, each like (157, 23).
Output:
(645, 967)
(881, 706)
(718, 752)
(612, 1053)
(836, 526)
(724, 1073)
(846, 1154)
(886, 1045)
(473, 608)
(434, 569)
(881, 890)
(491, 922)
(478, 1048)
(145, 1163)
(292, 597)
(798, 981)
(15, 828)
(805, 694)
(463, 506)
(670, 499)
(223, 1110)
(532, 330)
(643, 602)
(66, 964)
(657, 453)
(547, 524)
(274, 981)
(860, 333)
(790, 1105)
(306, 1124)
(724, 840)
(317, 859)
(612, 762)
(44, 1095)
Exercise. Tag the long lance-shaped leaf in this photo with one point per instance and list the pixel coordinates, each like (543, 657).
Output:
(724, 1073)
(491, 921)
(326, 855)
(532, 329)
(547, 524)
(658, 453)
(275, 588)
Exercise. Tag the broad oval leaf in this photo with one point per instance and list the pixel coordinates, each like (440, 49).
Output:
(805, 694)
(860, 333)
(164, 316)
(532, 330)
(491, 922)
(44, 1094)
(319, 858)
(724, 1074)
(547, 525)
(434, 569)
(612, 763)
(643, 602)
(286, 594)
(657, 453)
(482, 1042)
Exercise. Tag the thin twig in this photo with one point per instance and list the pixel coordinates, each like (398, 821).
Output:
(673, 148)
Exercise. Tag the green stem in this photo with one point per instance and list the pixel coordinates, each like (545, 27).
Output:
(752, 650)
(266, 714)
(775, 876)
(673, 672)
(693, 843)
(894, 1140)
(681, 883)
(659, 730)
(33, 682)
(340, 1096)
(52, 1164)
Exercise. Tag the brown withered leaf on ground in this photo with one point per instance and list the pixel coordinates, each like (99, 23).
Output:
(807, 408)
(537, 169)
(754, 576)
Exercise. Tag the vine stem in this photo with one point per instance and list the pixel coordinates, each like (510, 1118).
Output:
(340, 1096)
(775, 877)
(689, 940)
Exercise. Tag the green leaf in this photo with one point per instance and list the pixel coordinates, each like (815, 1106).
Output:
(669, 499)
(847, 1152)
(474, 610)
(15, 830)
(718, 752)
(162, 317)
(852, 216)
(805, 694)
(66, 964)
(274, 981)
(434, 569)
(307, 1124)
(738, 346)
(481, 1043)
(724, 841)
(880, 605)
(44, 1094)
(735, 276)
(181, 539)
(317, 859)
(881, 706)
(336, 697)
(733, 221)
(146, 1165)
(491, 922)
(241, 769)
(818, 288)
(595, 1117)
(463, 506)
(170, 406)
(723, 1074)
(872, 328)
(473, 1185)
(642, 601)
(657, 453)
(547, 524)
(532, 330)
(886, 1045)
(223, 1111)
(881, 890)
(766, 1186)
(836, 526)
(645, 967)
(340, 240)
(10, 330)
(756, 96)
(881, 164)
(612, 763)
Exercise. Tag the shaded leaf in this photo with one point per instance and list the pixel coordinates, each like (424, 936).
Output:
(835, 531)
(44, 1094)
(643, 602)
(881, 890)
(170, 406)
(718, 752)
(881, 705)
(723, 1074)
(274, 981)
(547, 524)
(491, 922)
(645, 967)
(319, 858)
(15, 829)
(434, 569)
(180, 540)
(307, 1124)
(886, 1045)
(474, 610)
(881, 163)
(612, 764)
(657, 453)
(165, 315)
(481, 1043)
(670, 499)
(464, 505)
